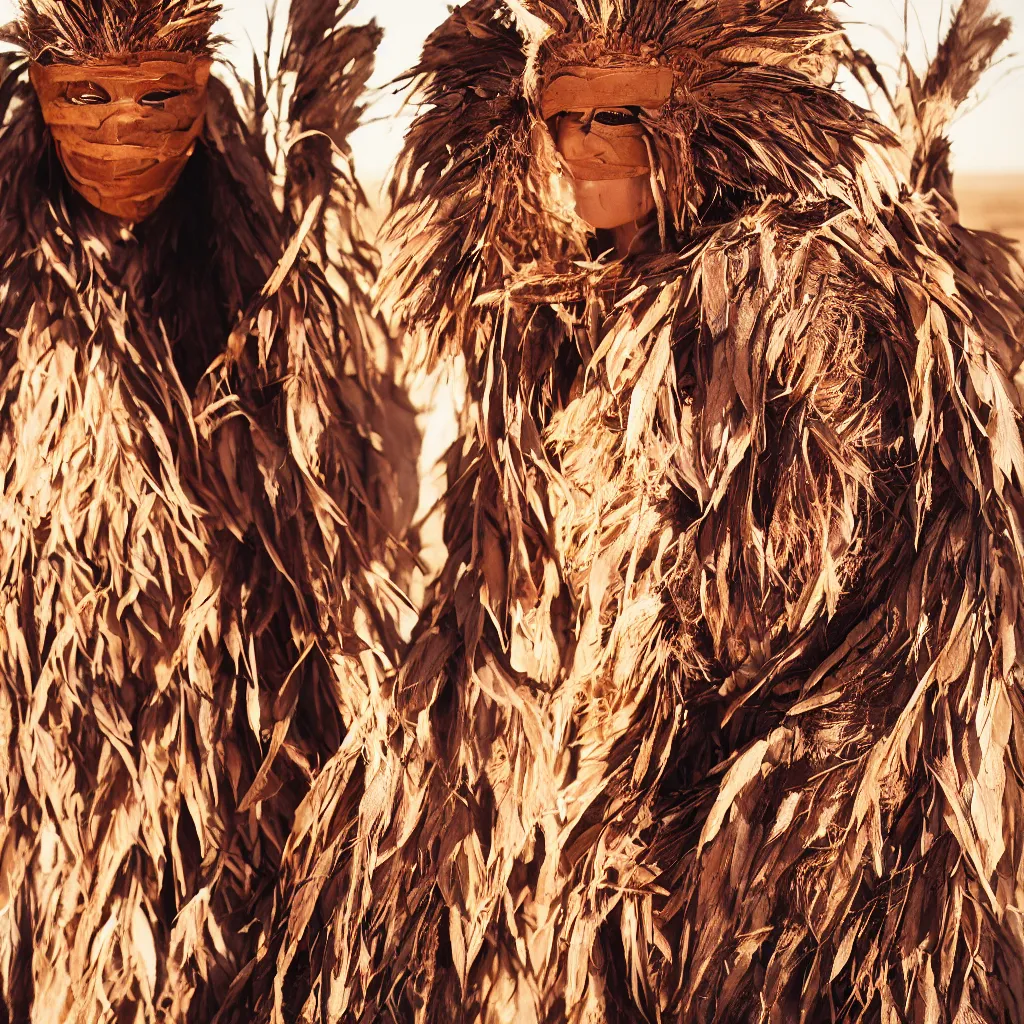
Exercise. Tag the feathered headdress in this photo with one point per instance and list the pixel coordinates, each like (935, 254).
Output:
(752, 113)
(748, 78)
(75, 30)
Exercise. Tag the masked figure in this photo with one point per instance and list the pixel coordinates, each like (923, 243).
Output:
(714, 714)
(197, 501)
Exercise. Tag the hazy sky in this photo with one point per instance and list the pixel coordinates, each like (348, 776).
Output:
(984, 138)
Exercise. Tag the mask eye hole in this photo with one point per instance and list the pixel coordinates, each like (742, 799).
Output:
(159, 96)
(617, 118)
(87, 94)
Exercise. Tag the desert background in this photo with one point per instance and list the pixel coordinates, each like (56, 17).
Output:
(993, 202)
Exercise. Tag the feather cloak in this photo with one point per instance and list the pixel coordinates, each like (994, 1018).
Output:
(197, 500)
(715, 712)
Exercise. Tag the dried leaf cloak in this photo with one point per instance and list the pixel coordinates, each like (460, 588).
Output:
(198, 503)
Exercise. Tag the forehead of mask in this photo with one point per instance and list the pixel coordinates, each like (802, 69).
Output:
(581, 89)
(143, 101)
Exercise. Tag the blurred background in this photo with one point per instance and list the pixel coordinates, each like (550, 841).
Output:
(988, 140)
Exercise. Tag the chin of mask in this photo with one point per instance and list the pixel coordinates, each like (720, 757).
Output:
(125, 128)
(614, 204)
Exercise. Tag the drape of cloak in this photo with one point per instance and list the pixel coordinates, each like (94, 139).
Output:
(715, 712)
(203, 479)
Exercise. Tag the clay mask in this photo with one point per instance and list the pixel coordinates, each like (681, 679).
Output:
(600, 140)
(124, 129)
(606, 155)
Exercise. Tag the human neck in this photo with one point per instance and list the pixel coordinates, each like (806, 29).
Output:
(627, 239)
(623, 236)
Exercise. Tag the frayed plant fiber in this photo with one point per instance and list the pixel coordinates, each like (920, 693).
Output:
(714, 714)
(75, 30)
(202, 491)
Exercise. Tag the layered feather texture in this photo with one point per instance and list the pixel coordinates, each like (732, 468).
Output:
(714, 714)
(75, 30)
(197, 512)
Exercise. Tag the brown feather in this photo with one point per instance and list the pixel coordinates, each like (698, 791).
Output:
(74, 30)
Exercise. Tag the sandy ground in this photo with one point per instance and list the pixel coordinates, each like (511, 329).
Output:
(992, 202)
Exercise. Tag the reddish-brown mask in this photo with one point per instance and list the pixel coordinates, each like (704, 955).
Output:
(125, 128)
(601, 141)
